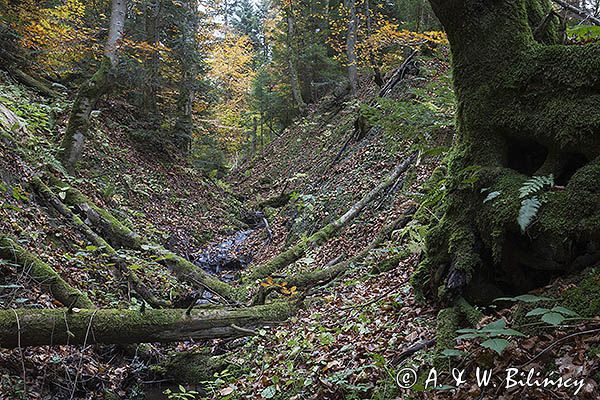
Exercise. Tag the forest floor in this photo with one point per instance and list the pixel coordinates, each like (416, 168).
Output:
(351, 338)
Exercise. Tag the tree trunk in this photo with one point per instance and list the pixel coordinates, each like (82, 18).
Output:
(34, 327)
(42, 273)
(293, 61)
(90, 92)
(188, 59)
(351, 46)
(526, 108)
(374, 63)
(152, 11)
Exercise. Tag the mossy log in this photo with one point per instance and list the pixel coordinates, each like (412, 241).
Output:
(115, 326)
(330, 230)
(138, 286)
(119, 235)
(325, 275)
(33, 82)
(527, 106)
(42, 273)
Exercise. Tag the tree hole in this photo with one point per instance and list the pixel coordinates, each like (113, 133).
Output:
(525, 156)
(569, 164)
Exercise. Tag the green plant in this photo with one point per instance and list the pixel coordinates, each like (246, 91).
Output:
(492, 335)
(531, 193)
(182, 394)
(553, 316)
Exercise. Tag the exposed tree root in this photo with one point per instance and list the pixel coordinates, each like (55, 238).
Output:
(330, 230)
(43, 273)
(114, 326)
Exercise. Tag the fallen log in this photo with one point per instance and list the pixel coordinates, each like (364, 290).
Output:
(42, 273)
(138, 286)
(297, 251)
(34, 327)
(119, 235)
(326, 275)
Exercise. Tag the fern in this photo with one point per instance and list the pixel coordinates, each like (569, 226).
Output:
(531, 203)
(535, 184)
(528, 211)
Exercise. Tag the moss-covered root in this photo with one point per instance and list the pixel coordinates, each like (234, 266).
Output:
(330, 230)
(138, 286)
(43, 273)
(194, 366)
(119, 235)
(447, 324)
(113, 326)
(467, 312)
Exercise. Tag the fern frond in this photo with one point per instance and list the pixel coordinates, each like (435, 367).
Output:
(528, 211)
(535, 184)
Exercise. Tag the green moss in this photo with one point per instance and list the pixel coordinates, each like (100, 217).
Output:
(193, 366)
(447, 324)
(42, 273)
(585, 297)
(513, 88)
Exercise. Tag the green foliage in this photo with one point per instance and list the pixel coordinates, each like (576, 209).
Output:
(425, 112)
(492, 334)
(531, 203)
(535, 184)
(554, 316)
(181, 394)
(584, 32)
(528, 211)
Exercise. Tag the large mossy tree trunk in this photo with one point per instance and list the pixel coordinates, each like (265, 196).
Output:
(527, 106)
(92, 90)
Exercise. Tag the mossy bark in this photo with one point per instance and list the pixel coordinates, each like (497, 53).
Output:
(113, 326)
(526, 106)
(79, 120)
(42, 273)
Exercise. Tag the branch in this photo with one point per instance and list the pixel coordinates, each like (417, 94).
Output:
(582, 13)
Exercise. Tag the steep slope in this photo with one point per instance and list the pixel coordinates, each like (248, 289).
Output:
(163, 199)
(355, 330)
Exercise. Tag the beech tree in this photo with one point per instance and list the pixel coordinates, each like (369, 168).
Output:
(90, 92)
(524, 178)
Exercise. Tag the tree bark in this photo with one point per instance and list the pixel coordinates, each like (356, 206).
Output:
(116, 326)
(351, 46)
(152, 12)
(526, 107)
(92, 90)
(293, 61)
(188, 58)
